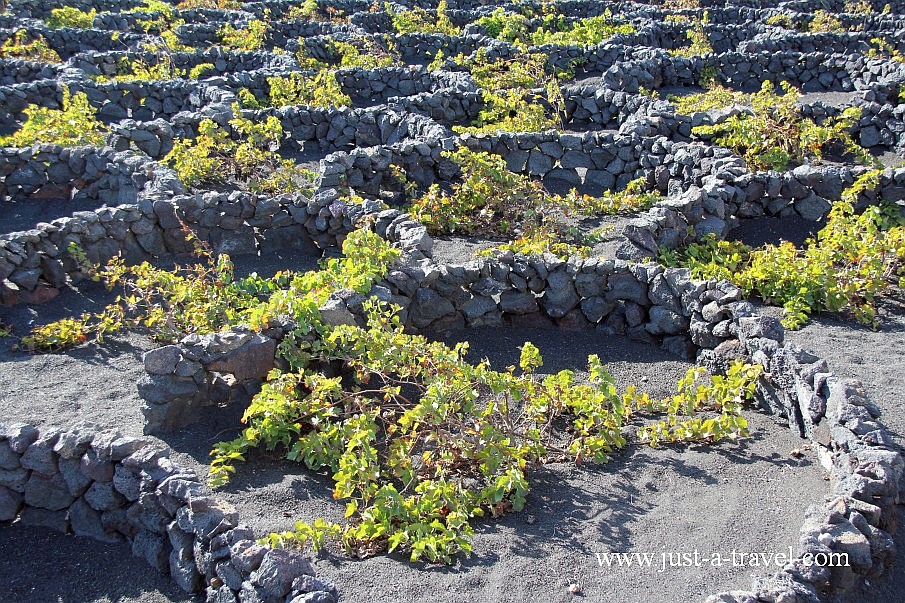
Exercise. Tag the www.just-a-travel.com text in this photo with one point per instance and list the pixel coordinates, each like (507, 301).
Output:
(661, 560)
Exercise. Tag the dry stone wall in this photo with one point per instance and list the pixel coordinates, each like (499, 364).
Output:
(97, 483)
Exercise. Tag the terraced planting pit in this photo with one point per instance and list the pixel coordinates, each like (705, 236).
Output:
(420, 160)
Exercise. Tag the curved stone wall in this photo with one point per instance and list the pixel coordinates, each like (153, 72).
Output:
(97, 483)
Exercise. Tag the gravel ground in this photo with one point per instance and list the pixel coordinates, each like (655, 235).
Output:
(657, 501)
(667, 500)
(876, 358)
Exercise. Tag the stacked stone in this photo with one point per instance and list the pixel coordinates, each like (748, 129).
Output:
(332, 128)
(449, 108)
(423, 48)
(881, 126)
(41, 9)
(727, 196)
(645, 302)
(52, 171)
(113, 488)
(372, 86)
(370, 171)
(115, 101)
(22, 71)
(130, 21)
(34, 264)
(858, 453)
(153, 137)
(282, 32)
(203, 371)
(849, 42)
(16, 98)
(608, 161)
(328, 219)
(590, 106)
(68, 42)
(812, 72)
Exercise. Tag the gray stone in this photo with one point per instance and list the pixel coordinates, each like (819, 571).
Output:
(73, 443)
(334, 312)
(664, 321)
(153, 548)
(9, 460)
(488, 287)
(101, 496)
(253, 360)
(165, 389)
(185, 573)
(119, 447)
(560, 296)
(712, 225)
(596, 308)
(599, 181)
(151, 513)
(49, 493)
(661, 294)
(85, 521)
(162, 361)
(626, 287)
(19, 436)
(207, 516)
(478, 306)
(704, 336)
(224, 594)
(95, 468)
(846, 538)
(517, 302)
(251, 593)
(415, 237)
(311, 584)
(14, 479)
(760, 326)
(869, 136)
(145, 458)
(76, 481)
(427, 306)
(229, 574)
(812, 207)
(247, 555)
(713, 312)
(279, 569)
(538, 163)
(183, 542)
(126, 483)
(10, 503)
(182, 487)
(575, 159)
(40, 457)
(634, 314)
(641, 232)
(590, 284)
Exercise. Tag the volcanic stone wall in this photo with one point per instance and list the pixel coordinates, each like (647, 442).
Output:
(97, 483)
